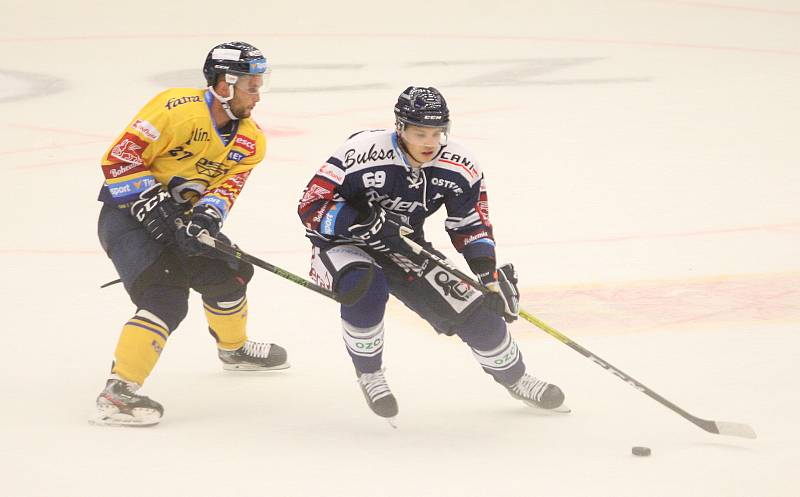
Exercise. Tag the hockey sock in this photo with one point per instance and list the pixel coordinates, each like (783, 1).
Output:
(365, 346)
(227, 322)
(493, 347)
(140, 344)
(362, 322)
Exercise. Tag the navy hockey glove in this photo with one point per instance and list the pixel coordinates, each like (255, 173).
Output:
(157, 212)
(502, 284)
(381, 230)
(204, 219)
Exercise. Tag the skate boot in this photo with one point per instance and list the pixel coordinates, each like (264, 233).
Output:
(379, 397)
(537, 393)
(254, 356)
(119, 405)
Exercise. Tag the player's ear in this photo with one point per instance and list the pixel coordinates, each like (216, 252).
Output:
(222, 88)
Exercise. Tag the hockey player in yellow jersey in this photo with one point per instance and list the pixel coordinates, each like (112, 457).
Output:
(172, 174)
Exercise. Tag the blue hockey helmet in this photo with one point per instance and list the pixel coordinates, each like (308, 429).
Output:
(420, 106)
(236, 58)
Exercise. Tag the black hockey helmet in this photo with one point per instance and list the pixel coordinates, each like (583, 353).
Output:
(420, 106)
(236, 58)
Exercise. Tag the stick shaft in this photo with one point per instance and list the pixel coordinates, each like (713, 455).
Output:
(220, 246)
(721, 428)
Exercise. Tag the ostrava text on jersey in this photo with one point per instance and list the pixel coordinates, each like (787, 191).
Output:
(174, 141)
(370, 166)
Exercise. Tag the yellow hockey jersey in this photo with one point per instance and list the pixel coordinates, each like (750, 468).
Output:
(173, 140)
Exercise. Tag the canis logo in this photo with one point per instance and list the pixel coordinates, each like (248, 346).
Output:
(312, 194)
(128, 149)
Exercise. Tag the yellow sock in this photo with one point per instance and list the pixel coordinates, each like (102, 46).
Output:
(227, 321)
(138, 349)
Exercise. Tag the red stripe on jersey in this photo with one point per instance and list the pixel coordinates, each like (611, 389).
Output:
(472, 173)
(482, 208)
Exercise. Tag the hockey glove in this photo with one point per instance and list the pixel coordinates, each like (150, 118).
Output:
(157, 212)
(204, 219)
(502, 285)
(381, 230)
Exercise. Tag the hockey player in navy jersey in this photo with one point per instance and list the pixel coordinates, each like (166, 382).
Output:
(382, 184)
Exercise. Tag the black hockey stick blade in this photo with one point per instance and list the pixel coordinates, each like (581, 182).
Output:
(113, 282)
(716, 427)
(349, 298)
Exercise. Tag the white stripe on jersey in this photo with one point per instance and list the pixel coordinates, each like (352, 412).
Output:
(454, 223)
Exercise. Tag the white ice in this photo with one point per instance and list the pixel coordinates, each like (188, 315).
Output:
(643, 176)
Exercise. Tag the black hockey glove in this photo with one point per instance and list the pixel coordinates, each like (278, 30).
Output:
(204, 219)
(157, 211)
(381, 230)
(502, 283)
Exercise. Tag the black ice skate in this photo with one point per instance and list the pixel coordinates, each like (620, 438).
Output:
(539, 394)
(254, 356)
(119, 405)
(379, 397)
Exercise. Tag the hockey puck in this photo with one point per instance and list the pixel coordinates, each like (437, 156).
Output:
(641, 451)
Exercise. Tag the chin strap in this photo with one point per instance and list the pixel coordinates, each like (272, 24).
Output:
(224, 101)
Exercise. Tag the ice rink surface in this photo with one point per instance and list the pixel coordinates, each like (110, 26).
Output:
(642, 166)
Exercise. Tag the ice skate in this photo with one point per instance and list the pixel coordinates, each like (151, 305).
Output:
(254, 356)
(538, 394)
(379, 397)
(119, 405)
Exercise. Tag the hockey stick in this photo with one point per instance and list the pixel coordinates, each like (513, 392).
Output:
(348, 298)
(716, 427)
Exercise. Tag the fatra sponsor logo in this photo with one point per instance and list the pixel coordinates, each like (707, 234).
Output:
(373, 154)
(146, 129)
(174, 102)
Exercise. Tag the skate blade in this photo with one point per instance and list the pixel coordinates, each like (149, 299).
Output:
(392, 422)
(253, 367)
(562, 409)
(118, 419)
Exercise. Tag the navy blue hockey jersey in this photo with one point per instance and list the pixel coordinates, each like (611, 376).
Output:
(371, 167)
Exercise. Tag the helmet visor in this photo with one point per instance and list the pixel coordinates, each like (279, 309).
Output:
(251, 84)
(421, 136)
